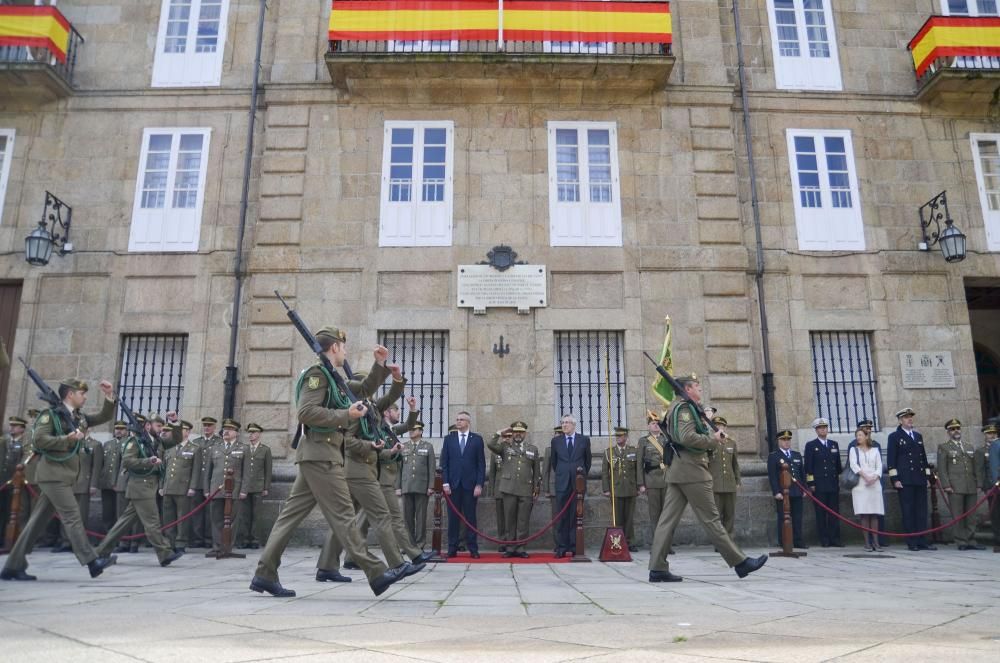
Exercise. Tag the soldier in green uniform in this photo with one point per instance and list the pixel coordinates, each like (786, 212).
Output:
(10, 456)
(143, 461)
(330, 424)
(690, 482)
(622, 465)
(201, 523)
(256, 485)
(493, 491)
(961, 479)
(415, 482)
(180, 479)
(107, 475)
(230, 454)
(725, 469)
(654, 479)
(85, 486)
(520, 481)
(57, 442)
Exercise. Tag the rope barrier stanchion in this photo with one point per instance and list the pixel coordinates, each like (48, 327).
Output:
(226, 546)
(13, 528)
(787, 532)
(436, 534)
(580, 555)
(454, 511)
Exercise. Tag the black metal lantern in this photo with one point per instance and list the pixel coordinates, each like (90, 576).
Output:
(951, 239)
(39, 244)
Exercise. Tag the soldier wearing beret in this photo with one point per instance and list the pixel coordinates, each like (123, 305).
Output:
(654, 467)
(622, 468)
(823, 467)
(230, 454)
(725, 467)
(256, 486)
(909, 473)
(785, 455)
(57, 437)
(415, 482)
(520, 480)
(86, 484)
(960, 478)
(180, 480)
(690, 482)
(11, 449)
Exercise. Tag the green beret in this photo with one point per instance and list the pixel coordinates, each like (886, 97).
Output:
(332, 333)
(75, 384)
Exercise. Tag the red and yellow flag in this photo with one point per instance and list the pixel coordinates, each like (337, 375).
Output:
(407, 20)
(573, 20)
(39, 27)
(944, 36)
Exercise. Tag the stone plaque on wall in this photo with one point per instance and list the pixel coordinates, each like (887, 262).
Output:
(927, 370)
(518, 286)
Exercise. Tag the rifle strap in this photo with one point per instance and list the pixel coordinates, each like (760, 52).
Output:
(673, 427)
(334, 397)
(58, 430)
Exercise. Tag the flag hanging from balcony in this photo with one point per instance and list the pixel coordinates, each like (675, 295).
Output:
(407, 20)
(952, 36)
(662, 388)
(37, 27)
(587, 21)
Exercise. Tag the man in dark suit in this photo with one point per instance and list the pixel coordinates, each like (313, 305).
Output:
(823, 467)
(784, 455)
(463, 466)
(566, 453)
(906, 460)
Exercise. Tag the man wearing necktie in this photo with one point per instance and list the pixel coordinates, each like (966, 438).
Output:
(906, 459)
(568, 451)
(463, 466)
(784, 455)
(823, 467)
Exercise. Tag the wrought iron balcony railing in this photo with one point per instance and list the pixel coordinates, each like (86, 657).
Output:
(38, 37)
(965, 46)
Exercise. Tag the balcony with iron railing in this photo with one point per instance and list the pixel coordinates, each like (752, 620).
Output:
(38, 49)
(460, 43)
(957, 60)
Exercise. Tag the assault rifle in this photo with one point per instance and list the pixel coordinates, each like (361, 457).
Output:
(679, 391)
(142, 436)
(52, 398)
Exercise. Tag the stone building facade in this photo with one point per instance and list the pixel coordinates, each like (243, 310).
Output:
(317, 210)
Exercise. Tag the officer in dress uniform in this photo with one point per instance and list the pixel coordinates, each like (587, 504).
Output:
(519, 482)
(201, 523)
(256, 485)
(415, 482)
(960, 478)
(11, 449)
(230, 454)
(823, 467)
(622, 463)
(180, 480)
(785, 455)
(725, 468)
(654, 477)
(85, 486)
(909, 473)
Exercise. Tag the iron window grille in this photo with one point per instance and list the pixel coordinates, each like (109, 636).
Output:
(152, 373)
(589, 365)
(423, 356)
(844, 379)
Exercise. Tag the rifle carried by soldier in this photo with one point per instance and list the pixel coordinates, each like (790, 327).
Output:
(52, 398)
(139, 431)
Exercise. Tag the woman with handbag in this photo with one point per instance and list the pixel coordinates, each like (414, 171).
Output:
(866, 462)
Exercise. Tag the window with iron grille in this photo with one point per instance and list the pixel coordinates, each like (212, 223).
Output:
(844, 379)
(152, 374)
(589, 378)
(423, 356)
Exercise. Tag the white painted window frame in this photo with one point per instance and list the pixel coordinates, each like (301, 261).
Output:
(805, 72)
(991, 218)
(190, 68)
(8, 157)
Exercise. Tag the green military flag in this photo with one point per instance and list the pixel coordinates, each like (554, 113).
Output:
(661, 387)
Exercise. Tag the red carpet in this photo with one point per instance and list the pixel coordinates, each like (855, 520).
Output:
(498, 558)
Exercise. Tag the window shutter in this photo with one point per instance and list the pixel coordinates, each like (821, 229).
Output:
(6, 156)
(986, 155)
(190, 43)
(804, 45)
(584, 184)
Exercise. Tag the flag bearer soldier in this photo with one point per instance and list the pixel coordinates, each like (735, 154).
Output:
(230, 454)
(180, 479)
(654, 482)
(519, 482)
(906, 459)
(59, 449)
(725, 467)
(785, 455)
(256, 485)
(623, 463)
(416, 483)
(823, 467)
(11, 449)
(960, 477)
(201, 523)
(86, 484)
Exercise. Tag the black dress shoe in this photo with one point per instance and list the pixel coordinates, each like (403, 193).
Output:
(836, 545)
(254, 546)
(749, 565)
(180, 550)
(672, 551)
(330, 576)
(800, 545)
(502, 549)
(98, 565)
(261, 585)
(63, 548)
(172, 557)
(386, 580)
(522, 554)
(663, 576)
(16, 575)
(423, 557)
(913, 548)
(121, 548)
(452, 553)
(560, 553)
(474, 554)
(508, 553)
(134, 549)
(926, 547)
(633, 548)
(351, 565)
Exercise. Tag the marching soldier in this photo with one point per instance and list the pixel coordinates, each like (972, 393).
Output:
(493, 491)
(785, 455)
(256, 485)
(201, 522)
(180, 479)
(906, 459)
(960, 478)
(107, 475)
(390, 472)
(86, 484)
(519, 482)
(823, 467)
(725, 468)
(690, 482)
(230, 454)
(10, 455)
(130, 545)
(654, 481)
(58, 449)
(623, 463)
(415, 483)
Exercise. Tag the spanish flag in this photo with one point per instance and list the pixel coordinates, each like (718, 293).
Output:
(407, 20)
(531, 20)
(39, 27)
(662, 388)
(950, 36)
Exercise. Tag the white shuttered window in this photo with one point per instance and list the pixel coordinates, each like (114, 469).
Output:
(986, 154)
(6, 155)
(190, 43)
(804, 44)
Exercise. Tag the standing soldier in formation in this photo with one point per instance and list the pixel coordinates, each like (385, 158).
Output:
(416, 483)
(725, 468)
(785, 455)
(230, 454)
(142, 459)
(823, 467)
(256, 486)
(86, 484)
(519, 482)
(690, 482)
(10, 456)
(107, 475)
(654, 468)
(493, 491)
(906, 459)
(960, 478)
(59, 449)
(180, 479)
(622, 463)
(201, 522)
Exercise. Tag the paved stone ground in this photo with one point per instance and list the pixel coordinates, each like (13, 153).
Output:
(910, 607)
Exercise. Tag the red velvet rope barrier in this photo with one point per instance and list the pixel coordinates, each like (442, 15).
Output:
(517, 542)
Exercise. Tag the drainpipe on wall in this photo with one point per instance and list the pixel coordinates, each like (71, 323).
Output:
(770, 412)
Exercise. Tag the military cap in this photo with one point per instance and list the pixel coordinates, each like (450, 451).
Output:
(685, 380)
(141, 419)
(332, 333)
(16, 421)
(557, 429)
(519, 427)
(232, 424)
(905, 412)
(866, 423)
(990, 428)
(719, 420)
(120, 424)
(819, 422)
(784, 434)
(952, 423)
(155, 418)
(418, 426)
(452, 428)
(209, 420)
(651, 416)
(32, 413)
(74, 383)
(254, 428)
(621, 430)
(186, 424)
